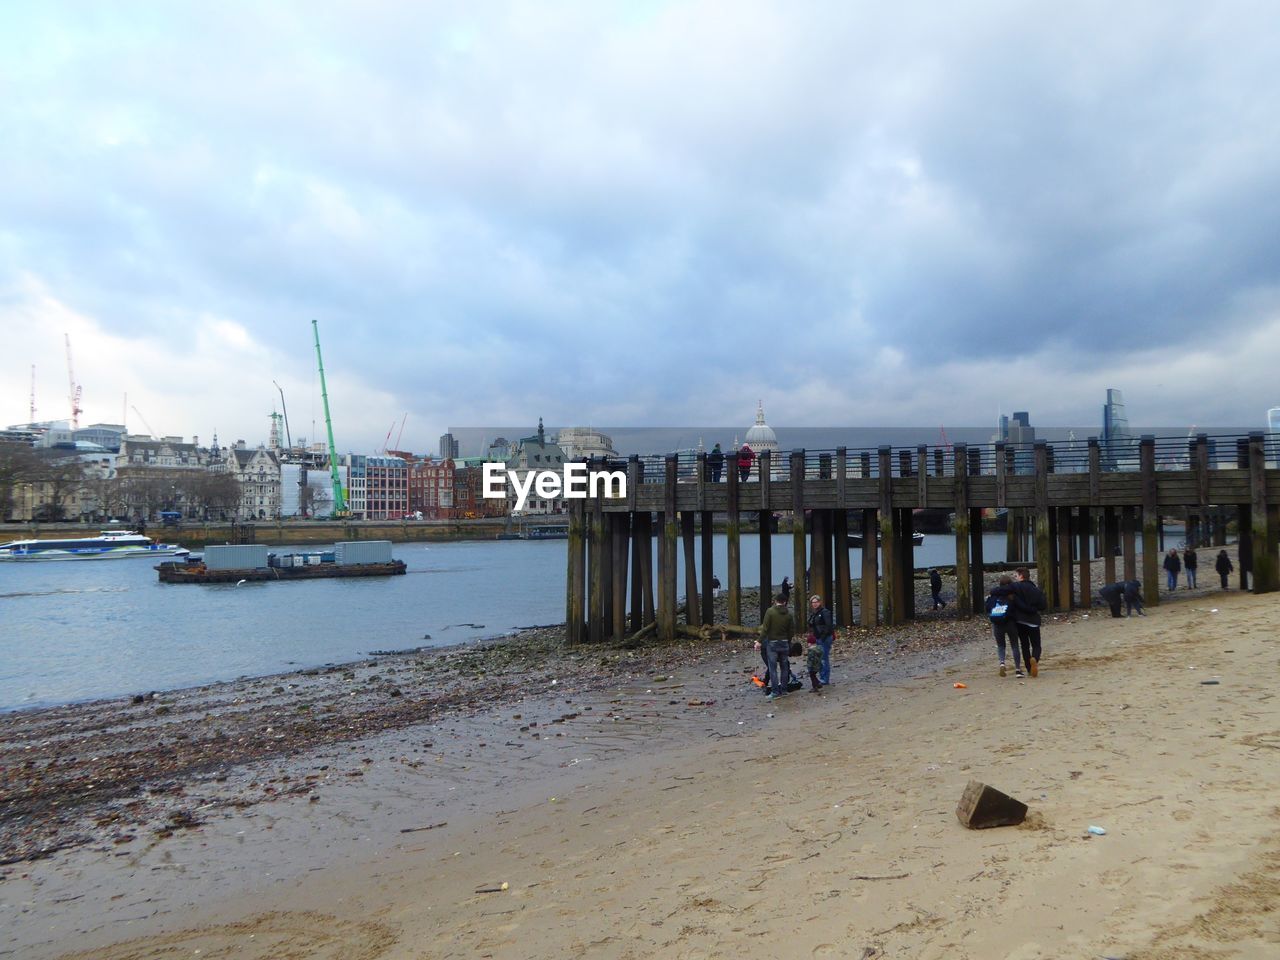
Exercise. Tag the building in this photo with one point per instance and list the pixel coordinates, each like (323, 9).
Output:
(1273, 436)
(448, 447)
(352, 467)
(386, 488)
(1018, 433)
(534, 454)
(306, 490)
(583, 443)
(259, 474)
(431, 488)
(1119, 447)
(468, 492)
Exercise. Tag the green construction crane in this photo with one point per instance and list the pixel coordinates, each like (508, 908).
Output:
(339, 498)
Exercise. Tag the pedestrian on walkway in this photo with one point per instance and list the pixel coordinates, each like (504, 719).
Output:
(1189, 560)
(715, 461)
(746, 457)
(822, 628)
(1223, 566)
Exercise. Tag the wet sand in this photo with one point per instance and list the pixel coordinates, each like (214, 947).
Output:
(666, 809)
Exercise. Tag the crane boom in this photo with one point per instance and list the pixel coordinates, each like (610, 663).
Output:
(287, 439)
(74, 394)
(339, 497)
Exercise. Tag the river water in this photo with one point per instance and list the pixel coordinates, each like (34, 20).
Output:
(78, 630)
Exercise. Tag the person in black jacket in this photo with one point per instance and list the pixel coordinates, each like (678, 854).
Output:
(1132, 597)
(1172, 567)
(1223, 566)
(1002, 625)
(935, 584)
(715, 461)
(1112, 593)
(1190, 561)
(1027, 600)
(822, 627)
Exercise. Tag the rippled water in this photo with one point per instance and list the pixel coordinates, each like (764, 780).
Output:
(77, 630)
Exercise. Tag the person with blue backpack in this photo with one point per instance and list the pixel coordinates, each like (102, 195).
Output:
(1002, 623)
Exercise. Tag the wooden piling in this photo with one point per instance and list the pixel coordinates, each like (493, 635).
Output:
(798, 567)
(844, 589)
(766, 561)
(1065, 589)
(1086, 556)
(670, 534)
(707, 527)
(1044, 540)
(693, 610)
(577, 586)
(621, 529)
(960, 502)
(1263, 520)
(891, 611)
(869, 587)
(733, 532)
(637, 584)
(1129, 534)
(595, 566)
(1150, 521)
(1110, 541)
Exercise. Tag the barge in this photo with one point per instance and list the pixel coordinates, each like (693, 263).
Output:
(252, 563)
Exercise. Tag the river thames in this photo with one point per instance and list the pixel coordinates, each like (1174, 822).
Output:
(79, 630)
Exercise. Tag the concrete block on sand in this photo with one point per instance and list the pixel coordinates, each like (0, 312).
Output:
(982, 806)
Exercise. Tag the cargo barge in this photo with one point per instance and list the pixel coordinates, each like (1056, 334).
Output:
(250, 563)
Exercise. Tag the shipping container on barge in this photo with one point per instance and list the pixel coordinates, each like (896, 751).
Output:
(253, 562)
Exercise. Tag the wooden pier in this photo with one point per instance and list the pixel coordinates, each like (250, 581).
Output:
(1065, 512)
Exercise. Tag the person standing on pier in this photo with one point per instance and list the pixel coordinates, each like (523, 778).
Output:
(823, 628)
(1172, 567)
(715, 461)
(746, 457)
(776, 631)
(1027, 601)
(1223, 566)
(1190, 561)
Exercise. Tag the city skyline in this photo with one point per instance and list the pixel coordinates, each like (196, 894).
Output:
(650, 213)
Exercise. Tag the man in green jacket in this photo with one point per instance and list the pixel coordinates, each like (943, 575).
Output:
(776, 631)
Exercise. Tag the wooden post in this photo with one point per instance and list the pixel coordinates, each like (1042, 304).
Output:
(732, 534)
(766, 478)
(960, 503)
(906, 564)
(869, 587)
(922, 477)
(595, 568)
(575, 620)
(621, 527)
(670, 535)
(1244, 521)
(606, 572)
(819, 540)
(1129, 534)
(1044, 541)
(692, 608)
(707, 527)
(799, 600)
(1086, 555)
(939, 462)
(1065, 589)
(637, 564)
(1200, 463)
(978, 590)
(1150, 521)
(1110, 540)
(1266, 572)
(766, 561)
(844, 589)
(891, 614)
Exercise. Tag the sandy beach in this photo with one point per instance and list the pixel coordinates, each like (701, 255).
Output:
(664, 808)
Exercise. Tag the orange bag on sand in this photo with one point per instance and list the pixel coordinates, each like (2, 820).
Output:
(961, 686)
(757, 681)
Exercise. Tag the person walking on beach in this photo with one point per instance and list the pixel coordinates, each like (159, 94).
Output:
(1223, 566)
(1190, 560)
(935, 584)
(715, 460)
(1112, 594)
(746, 457)
(785, 590)
(715, 586)
(1002, 625)
(776, 631)
(1132, 597)
(1172, 567)
(822, 628)
(1026, 601)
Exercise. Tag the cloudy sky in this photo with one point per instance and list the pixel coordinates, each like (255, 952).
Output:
(638, 213)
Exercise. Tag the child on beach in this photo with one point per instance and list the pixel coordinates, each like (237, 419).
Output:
(815, 663)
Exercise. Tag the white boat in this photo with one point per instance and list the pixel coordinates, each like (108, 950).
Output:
(107, 545)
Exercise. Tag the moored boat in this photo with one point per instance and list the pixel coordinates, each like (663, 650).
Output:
(110, 544)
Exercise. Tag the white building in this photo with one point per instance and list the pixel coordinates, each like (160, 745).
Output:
(581, 443)
(535, 453)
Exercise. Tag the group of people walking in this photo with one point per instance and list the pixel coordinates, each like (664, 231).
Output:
(1173, 565)
(777, 647)
(1014, 606)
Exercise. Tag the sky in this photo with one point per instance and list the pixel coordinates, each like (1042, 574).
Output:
(637, 213)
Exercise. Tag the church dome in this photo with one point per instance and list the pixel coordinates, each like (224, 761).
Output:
(761, 437)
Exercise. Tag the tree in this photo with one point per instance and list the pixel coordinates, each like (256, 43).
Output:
(17, 466)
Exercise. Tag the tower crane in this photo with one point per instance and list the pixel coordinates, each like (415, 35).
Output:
(74, 394)
(339, 496)
(287, 439)
(33, 394)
